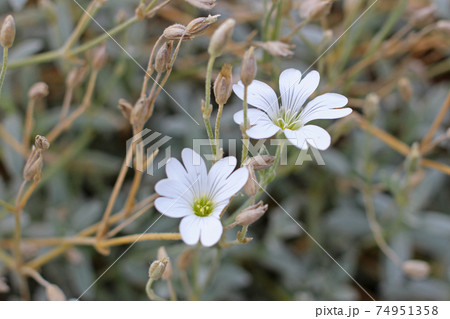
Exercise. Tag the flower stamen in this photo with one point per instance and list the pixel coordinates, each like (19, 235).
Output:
(203, 206)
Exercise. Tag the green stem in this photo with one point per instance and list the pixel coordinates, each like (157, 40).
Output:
(244, 131)
(207, 107)
(217, 128)
(4, 67)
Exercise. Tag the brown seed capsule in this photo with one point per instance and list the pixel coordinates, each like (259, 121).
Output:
(223, 84)
(251, 214)
(54, 293)
(162, 253)
(202, 4)
(252, 186)
(277, 48)
(221, 37)
(157, 268)
(405, 89)
(315, 9)
(176, 32)
(162, 60)
(41, 142)
(38, 90)
(416, 269)
(33, 166)
(8, 32)
(199, 25)
(99, 57)
(261, 162)
(249, 67)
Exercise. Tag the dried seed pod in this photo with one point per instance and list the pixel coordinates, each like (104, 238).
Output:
(162, 60)
(76, 76)
(8, 32)
(416, 269)
(33, 166)
(41, 142)
(176, 32)
(249, 67)
(199, 25)
(99, 57)
(405, 89)
(221, 37)
(251, 214)
(38, 90)
(125, 108)
(277, 48)
(252, 186)
(54, 293)
(223, 84)
(315, 9)
(202, 4)
(261, 162)
(162, 253)
(184, 260)
(157, 268)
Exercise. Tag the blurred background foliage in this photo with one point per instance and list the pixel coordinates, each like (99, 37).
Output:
(411, 205)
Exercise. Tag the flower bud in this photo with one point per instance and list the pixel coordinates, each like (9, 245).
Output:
(412, 162)
(157, 268)
(176, 32)
(199, 25)
(416, 269)
(41, 142)
(314, 9)
(8, 32)
(261, 162)
(184, 260)
(38, 90)
(251, 214)
(54, 293)
(405, 88)
(162, 60)
(249, 67)
(99, 57)
(162, 254)
(252, 186)
(221, 37)
(202, 4)
(223, 84)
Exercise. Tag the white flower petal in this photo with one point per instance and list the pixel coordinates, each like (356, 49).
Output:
(196, 170)
(313, 135)
(174, 189)
(176, 171)
(262, 129)
(325, 106)
(219, 172)
(174, 208)
(253, 115)
(220, 206)
(294, 92)
(190, 227)
(231, 185)
(211, 231)
(259, 95)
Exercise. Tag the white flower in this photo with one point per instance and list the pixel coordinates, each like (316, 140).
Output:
(198, 197)
(291, 117)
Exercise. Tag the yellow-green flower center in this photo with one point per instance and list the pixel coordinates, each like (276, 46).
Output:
(203, 206)
(288, 119)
